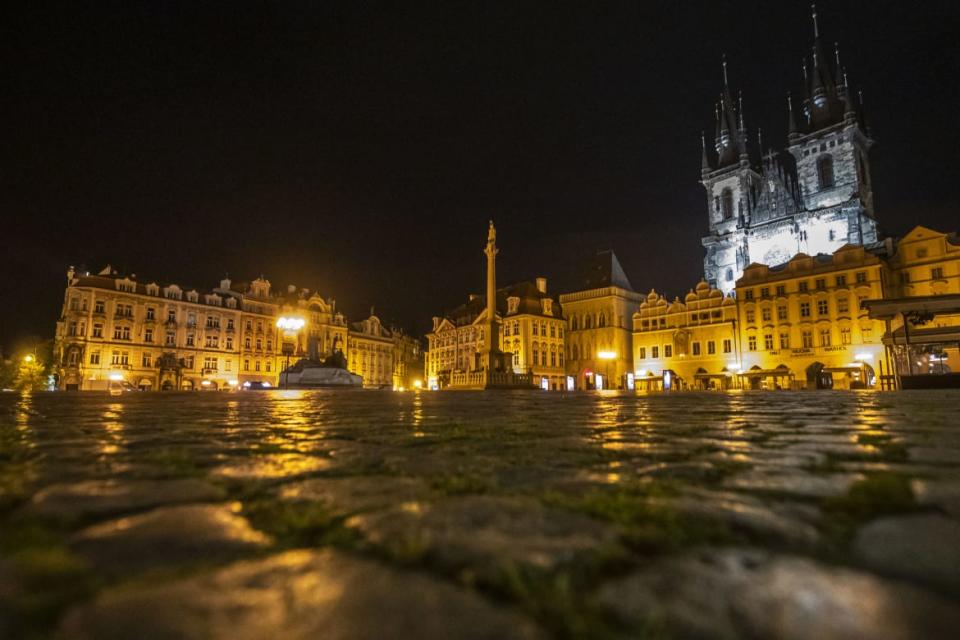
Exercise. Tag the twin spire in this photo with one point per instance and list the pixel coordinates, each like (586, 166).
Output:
(827, 99)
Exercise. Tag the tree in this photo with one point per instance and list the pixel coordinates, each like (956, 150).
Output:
(31, 375)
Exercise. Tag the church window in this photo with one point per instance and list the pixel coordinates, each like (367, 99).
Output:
(726, 202)
(729, 275)
(823, 146)
(832, 234)
(573, 323)
(825, 171)
(588, 321)
(602, 320)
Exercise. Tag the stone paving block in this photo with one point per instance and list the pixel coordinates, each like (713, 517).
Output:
(106, 497)
(296, 595)
(800, 484)
(482, 532)
(923, 547)
(358, 493)
(740, 593)
(272, 467)
(168, 536)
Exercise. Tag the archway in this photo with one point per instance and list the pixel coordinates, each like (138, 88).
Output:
(817, 378)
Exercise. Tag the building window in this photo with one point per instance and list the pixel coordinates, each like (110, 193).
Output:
(641, 353)
(823, 307)
(752, 343)
(825, 171)
(98, 306)
(782, 312)
(904, 277)
(188, 362)
(573, 323)
(806, 338)
(536, 329)
(210, 364)
(655, 352)
(228, 365)
(147, 360)
(768, 342)
(784, 340)
(151, 313)
(171, 316)
(94, 357)
(229, 343)
(97, 330)
(803, 287)
(748, 294)
(841, 281)
(861, 277)
(781, 290)
(148, 335)
(936, 273)
(845, 335)
(821, 283)
(921, 253)
(190, 339)
(121, 333)
(711, 347)
(602, 320)
(171, 338)
(729, 275)
(726, 203)
(696, 348)
(727, 345)
(843, 305)
(804, 309)
(765, 292)
(766, 314)
(246, 365)
(824, 337)
(751, 316)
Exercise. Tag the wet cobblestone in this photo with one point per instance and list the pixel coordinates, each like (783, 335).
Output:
(516, 514)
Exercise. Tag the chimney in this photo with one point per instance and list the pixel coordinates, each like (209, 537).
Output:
(542, 285)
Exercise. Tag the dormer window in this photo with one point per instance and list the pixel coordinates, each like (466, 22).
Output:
(547, 306)
(153, 290)
(513, 303)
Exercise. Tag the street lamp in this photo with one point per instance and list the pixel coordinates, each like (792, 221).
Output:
(28, 358)
(607, 356)
(290, 325)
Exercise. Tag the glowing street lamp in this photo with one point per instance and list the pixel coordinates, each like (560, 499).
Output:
(290, 325)
(28, 358)
(607, 356)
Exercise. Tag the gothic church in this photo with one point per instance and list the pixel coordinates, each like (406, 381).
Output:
(814, 198)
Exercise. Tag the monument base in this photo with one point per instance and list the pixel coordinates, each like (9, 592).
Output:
(477, 380)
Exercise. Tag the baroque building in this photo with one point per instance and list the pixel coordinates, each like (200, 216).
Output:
(116, 331)
(690, 344)
(765, 206)
(599, 337)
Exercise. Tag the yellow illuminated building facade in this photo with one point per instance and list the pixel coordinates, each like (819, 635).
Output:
(370, 348)
(802, 326)
(689, 344)
(116, 332)
(599, 337)
(531, 327)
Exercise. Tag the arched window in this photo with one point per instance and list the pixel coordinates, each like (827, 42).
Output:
(729, 275)
(825, 171)
(726, 203)
(573, 353)
(602, 320)
(588, 321)
(573, 323)
(536, 353)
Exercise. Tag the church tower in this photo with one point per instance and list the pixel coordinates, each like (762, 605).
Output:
(814, 198)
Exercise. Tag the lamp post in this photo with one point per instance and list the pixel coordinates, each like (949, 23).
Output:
(607, 356)
(289, 325)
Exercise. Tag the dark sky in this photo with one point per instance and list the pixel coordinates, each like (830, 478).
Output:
(360, 148)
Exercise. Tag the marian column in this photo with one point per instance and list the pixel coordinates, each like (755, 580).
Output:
(492, 344)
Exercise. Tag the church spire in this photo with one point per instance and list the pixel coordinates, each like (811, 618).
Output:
(704, 161)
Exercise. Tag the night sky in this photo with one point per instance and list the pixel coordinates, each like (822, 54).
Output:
(360, 148)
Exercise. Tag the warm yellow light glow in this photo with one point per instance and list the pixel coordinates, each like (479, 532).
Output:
(232, 383)
(204, 383)
(290, 323)
(607, 355)
(863, 357)
(418, 384)
(28, 358)
(116, 376)
(641, 373)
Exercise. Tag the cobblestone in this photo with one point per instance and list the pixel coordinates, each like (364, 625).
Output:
(515, 514)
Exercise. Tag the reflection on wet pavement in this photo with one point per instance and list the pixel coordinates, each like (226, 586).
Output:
(516, 514)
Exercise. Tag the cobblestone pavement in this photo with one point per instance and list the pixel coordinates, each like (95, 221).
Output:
(480, 515)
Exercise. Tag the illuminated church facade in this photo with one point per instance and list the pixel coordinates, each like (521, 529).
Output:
(815, 197)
